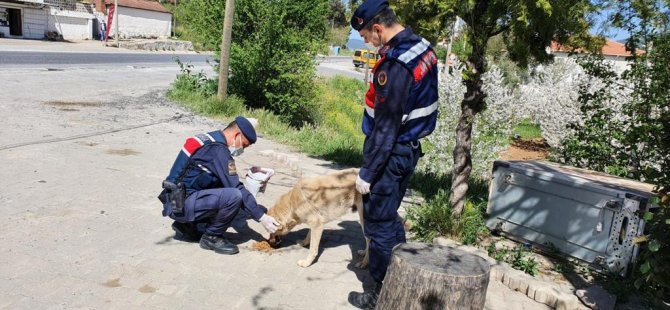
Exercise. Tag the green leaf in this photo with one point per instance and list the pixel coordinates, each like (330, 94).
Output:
(655, 200)
(654, 245)
(648, 216)
(645, 268)
(667, 221)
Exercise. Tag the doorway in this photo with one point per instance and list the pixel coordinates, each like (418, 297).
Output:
(15, 24)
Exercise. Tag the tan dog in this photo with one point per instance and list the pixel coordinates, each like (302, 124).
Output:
(316, 201)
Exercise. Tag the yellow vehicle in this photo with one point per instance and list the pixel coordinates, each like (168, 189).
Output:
(360, 55)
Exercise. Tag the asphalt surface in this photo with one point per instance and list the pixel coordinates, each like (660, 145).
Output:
(55, 58)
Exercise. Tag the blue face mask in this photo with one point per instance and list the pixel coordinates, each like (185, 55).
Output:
(236, 151)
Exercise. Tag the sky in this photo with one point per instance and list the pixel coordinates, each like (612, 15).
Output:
(611, 33)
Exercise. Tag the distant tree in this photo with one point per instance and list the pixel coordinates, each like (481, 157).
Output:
(339, 36)
(337, 16)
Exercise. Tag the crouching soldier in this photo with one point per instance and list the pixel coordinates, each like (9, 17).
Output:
(203, 187)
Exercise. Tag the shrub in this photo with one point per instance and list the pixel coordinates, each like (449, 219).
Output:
(272, 54)
(626, 131)
(549, 98)
(434, 218)
(519, 258)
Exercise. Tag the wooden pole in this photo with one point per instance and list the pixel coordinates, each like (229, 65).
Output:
(423, 276)
(116, 23)
(367, 66)
(225, 49)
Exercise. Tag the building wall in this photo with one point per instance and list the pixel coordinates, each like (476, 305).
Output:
(34, 23)
(619, 63)
(71, 25)
(136, 23)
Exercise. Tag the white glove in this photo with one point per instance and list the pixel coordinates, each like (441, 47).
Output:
(269, 223)
(362, 186)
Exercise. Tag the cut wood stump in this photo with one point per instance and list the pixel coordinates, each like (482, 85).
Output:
(424, 276)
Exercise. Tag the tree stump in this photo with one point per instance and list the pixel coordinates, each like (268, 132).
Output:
(423, 276)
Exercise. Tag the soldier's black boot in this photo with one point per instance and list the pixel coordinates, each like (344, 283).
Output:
(365, 300)
(218, 244)
(186, 231)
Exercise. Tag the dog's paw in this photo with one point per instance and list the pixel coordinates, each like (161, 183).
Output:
(361, 253)
(304, 263)
(304, 243)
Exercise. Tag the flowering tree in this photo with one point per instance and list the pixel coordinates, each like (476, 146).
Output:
(549, 98)
(490, 134)
(528, 27)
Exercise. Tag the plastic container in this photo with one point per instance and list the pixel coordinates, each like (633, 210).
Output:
(257, 179)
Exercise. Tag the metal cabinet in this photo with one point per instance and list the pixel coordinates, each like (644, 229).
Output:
(585, 214)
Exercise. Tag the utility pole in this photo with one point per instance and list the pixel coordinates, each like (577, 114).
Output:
(367, 66)
(225, 49)
(116, 23)
(451, 41)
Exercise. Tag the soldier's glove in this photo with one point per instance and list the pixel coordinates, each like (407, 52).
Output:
(362, 186)
(269, 223)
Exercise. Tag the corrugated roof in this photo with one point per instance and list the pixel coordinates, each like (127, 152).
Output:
(141, 4)
(611, 48)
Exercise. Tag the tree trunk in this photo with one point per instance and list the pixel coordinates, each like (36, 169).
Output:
(472, 104)
(423, 276)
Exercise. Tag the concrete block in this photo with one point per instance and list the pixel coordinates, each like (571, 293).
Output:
(532, 287)
(519, 283)
(545, 294)
(496, 273)
(596, 297)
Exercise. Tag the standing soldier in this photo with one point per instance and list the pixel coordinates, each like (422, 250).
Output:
(401, 108)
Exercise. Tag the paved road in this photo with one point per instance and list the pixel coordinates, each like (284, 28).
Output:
(14, 59)
(339, 65)
(328, 66)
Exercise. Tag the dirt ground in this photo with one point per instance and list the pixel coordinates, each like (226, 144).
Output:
(526, 150)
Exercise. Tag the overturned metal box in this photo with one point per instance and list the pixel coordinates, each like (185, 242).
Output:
(585, 214)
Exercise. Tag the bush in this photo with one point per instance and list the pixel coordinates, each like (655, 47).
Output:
(626, 132)
(550, 98)
(434, 218)
(519, 258)
(272, 54)
(193, 82)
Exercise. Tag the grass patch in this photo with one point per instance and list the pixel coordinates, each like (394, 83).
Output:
(527, 130)
(336, 137)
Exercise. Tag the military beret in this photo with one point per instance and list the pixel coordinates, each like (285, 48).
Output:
(366, 12)
(246, 128)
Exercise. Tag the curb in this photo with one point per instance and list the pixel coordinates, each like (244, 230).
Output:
(289, 160)
(540, 291)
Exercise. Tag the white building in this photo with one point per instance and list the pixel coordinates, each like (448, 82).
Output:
(612, 51)
(77, 20)
(141, 19)
(40, 19)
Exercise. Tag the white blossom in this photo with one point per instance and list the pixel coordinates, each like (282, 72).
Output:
(491, 129)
